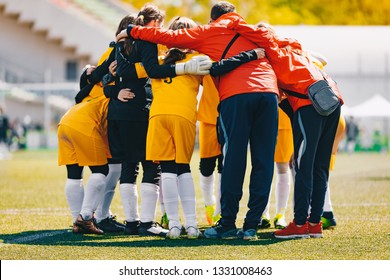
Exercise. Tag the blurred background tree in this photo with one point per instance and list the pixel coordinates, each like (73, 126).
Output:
(285, 12)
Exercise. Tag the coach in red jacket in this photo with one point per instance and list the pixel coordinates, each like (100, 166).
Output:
(313, 133)
(248, 114)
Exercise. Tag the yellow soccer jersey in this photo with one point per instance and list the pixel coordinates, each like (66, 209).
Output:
(284, 144)
(87, 116)
(284, 120)
(340, 134)
(207, 109)
(176, 96)
(91, 113)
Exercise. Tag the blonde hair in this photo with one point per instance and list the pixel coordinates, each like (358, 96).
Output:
(181, 23)
(268, 26)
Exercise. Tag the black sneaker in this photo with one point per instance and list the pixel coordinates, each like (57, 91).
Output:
(111, 225)
(152, 229)
(264, 223)
(222, 232)
(132, 228)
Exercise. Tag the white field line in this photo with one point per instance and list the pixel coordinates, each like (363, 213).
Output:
(36, 211)
(37, 236)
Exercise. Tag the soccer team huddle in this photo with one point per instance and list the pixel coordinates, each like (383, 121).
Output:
(139, 106)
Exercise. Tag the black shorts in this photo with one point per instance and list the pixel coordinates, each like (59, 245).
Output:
(127, 139)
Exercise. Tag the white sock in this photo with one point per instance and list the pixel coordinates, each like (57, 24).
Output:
(187, 197)
(74, 193)
(328, 203)
(129, 196)
(161, 199)
(207, 186)
(266, 210)
(218, 196)
(171, 198)
(282, 191)
(149, 197)
(103, 210)
(93, 194)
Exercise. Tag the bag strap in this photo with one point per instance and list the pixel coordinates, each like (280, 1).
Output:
(229, 45)
(227, 49)
(300, 95)
(296, 94)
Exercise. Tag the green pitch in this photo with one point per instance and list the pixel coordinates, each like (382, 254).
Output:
(35, 221)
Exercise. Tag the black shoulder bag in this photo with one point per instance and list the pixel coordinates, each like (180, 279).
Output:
(321, 94)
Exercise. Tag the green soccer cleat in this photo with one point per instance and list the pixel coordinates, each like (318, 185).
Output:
(216, 218)
(328, 223)
(165, 221)
(264, 223)
(279, 221)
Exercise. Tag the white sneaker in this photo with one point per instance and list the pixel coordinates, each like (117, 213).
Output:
(152, 229)
(174, 233)
(193, 232)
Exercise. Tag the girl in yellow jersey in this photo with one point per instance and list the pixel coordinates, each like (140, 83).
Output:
(171, 135)
(82, 137)
(81, 142)
(171, 139)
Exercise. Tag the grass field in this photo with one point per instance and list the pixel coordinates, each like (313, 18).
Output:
(35, 220)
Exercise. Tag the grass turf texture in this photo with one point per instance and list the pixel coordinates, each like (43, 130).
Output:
(35, 220)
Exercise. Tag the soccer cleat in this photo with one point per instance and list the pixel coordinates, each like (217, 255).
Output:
(174, 233)
(76, 229)
(132, 228)
(222, 232)
(88, 226)
(152, 229)
(216, 218)
(328, 220)
(193, 232)
(293, 231)
(264, 222)
(328, 223)
(110, 224)
(249, 234)
(210, 213)
(165, 221)
(279, 221)
(316, 230)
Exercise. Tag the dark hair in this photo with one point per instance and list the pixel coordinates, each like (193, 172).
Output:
(148, 13)
(221, 8)
(129, 19)
(176, 54)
